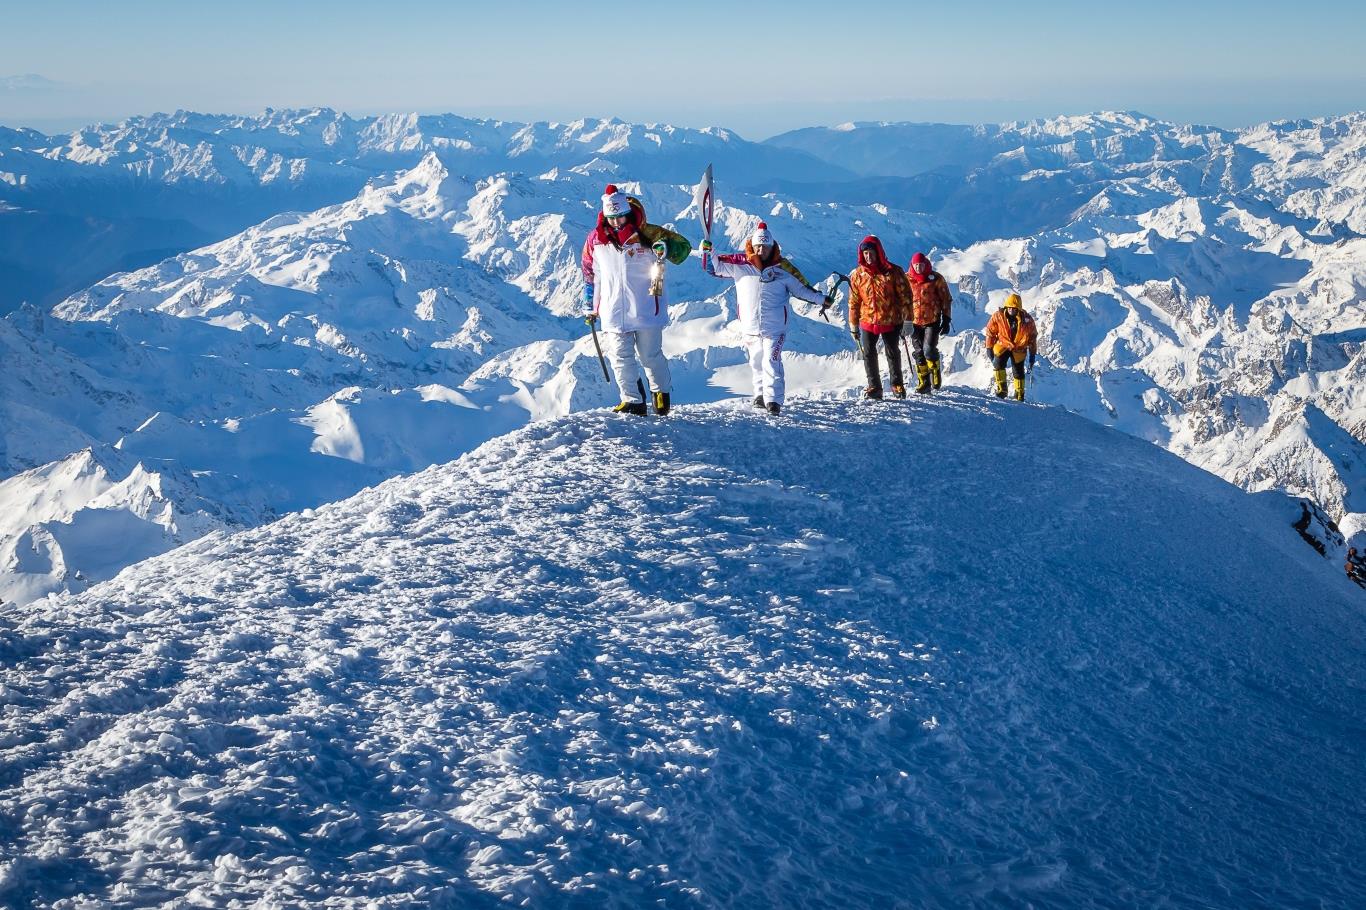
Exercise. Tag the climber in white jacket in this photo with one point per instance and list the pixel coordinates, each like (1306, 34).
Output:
(764, 281)
(623, 261)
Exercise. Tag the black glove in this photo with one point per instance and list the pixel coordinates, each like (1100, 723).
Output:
(853, 333)
(945, 325)
(829, 301)
(590, 318)
(1032, 355)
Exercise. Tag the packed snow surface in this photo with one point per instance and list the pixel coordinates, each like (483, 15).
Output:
(943, 653)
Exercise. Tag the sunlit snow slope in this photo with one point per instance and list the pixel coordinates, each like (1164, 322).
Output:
(941, 653)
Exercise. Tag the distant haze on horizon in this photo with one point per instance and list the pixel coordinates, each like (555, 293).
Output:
(710, 64)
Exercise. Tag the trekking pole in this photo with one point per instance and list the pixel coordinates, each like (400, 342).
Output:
(601, 361)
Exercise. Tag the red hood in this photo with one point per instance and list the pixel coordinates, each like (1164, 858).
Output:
(915, 275)
(882, 264)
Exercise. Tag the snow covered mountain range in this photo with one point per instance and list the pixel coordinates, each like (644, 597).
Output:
(1017, 179)
(76, 208)
(1198, 288)
(705, 662)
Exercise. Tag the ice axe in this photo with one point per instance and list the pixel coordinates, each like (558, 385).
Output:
(840, 278)
(602, 362)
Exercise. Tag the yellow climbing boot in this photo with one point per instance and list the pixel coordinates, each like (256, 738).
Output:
(922, 373)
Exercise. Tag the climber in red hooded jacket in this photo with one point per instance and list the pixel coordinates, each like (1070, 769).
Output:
(879, 304)
(930, 317)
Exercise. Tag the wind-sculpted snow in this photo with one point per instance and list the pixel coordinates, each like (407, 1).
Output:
(945, 653)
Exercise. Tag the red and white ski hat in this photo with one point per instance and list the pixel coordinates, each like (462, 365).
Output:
(614, 202)
(761, 236)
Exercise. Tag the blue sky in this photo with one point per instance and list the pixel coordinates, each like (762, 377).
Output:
(757, 68)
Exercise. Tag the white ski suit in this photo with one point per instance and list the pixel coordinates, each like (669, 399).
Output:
(763, 313)
(632, 319)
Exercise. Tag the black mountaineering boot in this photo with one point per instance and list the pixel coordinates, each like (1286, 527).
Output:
(631, 407)
(873, 392)
(758, 401)
(661, 403)
(774, 408)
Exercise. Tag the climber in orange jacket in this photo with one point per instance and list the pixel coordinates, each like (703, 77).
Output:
(931, 317)
(879, 305)
(1011, 336)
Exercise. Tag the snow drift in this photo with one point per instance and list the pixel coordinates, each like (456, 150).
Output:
(938, 653)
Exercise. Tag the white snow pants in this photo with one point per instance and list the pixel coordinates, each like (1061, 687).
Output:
(622, 348)
(766, 365)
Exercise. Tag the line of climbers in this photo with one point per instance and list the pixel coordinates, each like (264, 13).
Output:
(623, 260)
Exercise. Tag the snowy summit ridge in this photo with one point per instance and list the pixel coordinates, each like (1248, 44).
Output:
(736, 679)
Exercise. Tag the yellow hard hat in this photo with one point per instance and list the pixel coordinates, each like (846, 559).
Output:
(1012, 300)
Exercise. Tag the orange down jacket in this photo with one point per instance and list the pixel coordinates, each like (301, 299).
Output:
(931, 299)
(878, 297)
(1001, 338)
